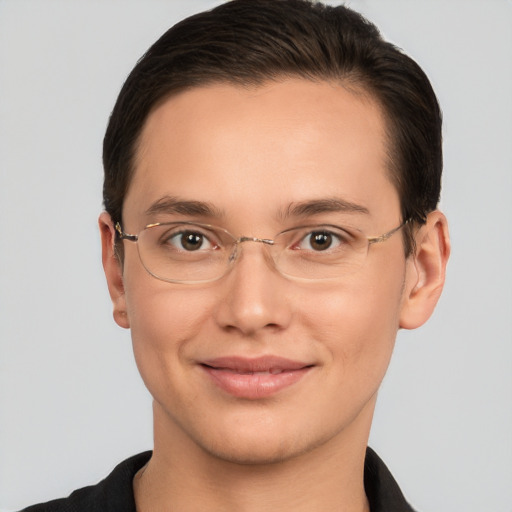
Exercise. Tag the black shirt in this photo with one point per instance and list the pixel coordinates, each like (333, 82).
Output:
(115, 493)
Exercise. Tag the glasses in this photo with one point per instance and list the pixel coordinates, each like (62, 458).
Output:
(190, 252)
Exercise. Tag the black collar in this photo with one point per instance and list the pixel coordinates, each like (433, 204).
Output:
(382, 491)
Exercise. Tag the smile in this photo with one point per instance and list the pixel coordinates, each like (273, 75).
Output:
(254, 378)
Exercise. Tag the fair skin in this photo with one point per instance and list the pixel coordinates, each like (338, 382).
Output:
(251, 155)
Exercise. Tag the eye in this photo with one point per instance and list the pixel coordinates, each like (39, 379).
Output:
(321, 240)
(188, 240)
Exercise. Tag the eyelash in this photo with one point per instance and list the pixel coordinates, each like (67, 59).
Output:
(167, 238)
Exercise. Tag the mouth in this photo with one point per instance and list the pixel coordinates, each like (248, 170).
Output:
(254, 378)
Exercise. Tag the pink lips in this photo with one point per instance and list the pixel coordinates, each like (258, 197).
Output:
(254, 378)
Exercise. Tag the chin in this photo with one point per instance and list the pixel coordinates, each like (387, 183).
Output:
(258, 451)
(262, 444)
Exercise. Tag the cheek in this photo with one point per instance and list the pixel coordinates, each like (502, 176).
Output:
(160, 313)
(357, 325)
(163, 322)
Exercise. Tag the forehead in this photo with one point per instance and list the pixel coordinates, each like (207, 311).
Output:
(262, 148)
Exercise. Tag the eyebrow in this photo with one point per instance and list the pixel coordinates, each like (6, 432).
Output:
(173, 205)
(170, 205)
(319, 206)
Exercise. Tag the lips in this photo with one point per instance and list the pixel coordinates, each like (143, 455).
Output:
(254, 378)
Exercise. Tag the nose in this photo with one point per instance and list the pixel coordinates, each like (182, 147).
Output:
(256, 298)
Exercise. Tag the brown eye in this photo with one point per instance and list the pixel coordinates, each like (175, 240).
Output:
(191, 241)
(320, 240)
(187, 241)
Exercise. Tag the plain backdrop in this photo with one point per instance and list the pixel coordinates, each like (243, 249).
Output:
(71, 402)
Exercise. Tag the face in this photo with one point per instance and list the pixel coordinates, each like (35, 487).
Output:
(211, 354)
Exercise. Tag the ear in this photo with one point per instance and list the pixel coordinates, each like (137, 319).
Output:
(425, 273)
(113, 270)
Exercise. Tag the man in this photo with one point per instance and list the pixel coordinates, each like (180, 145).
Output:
(272, 172)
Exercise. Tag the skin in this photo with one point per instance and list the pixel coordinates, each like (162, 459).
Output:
(251, 153)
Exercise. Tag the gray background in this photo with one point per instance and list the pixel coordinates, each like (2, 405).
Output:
(71, 402)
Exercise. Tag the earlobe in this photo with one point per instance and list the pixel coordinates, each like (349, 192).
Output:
(113, 270)
(426, 270)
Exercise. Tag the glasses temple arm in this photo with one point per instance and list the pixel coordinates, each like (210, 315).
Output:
(125, 236)
(389, 234)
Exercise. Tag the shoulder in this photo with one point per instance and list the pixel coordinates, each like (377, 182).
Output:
(113, 494)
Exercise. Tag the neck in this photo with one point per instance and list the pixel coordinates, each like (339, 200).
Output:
(182, 476)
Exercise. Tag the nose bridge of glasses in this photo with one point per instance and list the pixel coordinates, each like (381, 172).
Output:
(235, 252)
(254, 239)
